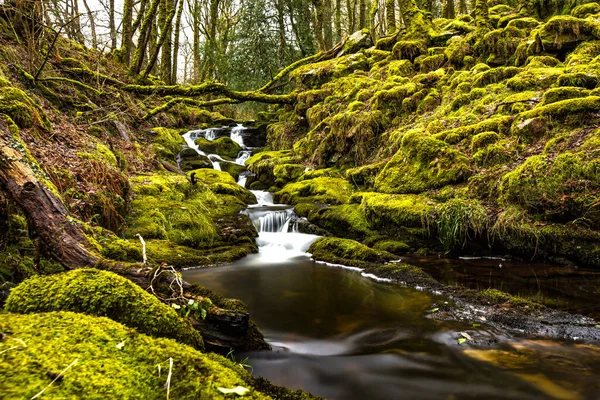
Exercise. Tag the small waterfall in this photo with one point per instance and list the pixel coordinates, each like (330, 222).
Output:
(236, 135)
(210, 134)
(271, 220)
(242, 157)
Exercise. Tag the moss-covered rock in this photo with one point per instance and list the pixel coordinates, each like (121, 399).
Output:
(106, 294)
(20, 107)
(201, 215)
(189, 159)
(389, 213)
(324, 190)
(167, 143)
(108, 360)
(348, 252)
(422, 163)
(223, 146)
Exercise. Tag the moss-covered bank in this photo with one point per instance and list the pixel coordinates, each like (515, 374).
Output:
(109, 360)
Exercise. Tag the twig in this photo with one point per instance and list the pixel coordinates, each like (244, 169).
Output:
(144, 258)
(169, 376)
(55, 379)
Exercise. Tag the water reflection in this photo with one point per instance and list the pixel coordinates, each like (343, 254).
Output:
(341, 336)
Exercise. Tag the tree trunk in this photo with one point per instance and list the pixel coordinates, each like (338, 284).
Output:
(362, 14)
(327, 25)
(337, 20)
(166, 47)
(92, 24)
(127, 25)
(161, 43)
(390, 16)
(462, 7)
(448, 9)
(140, 51)
(414, 20)
(111, 25)
(318, 4)
(176, 42)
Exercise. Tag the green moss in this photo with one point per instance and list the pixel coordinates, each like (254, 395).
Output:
(102, 293)
(285, 173)
(494, 75)
(104, 368)
(233, 169)
(422, 163)
(563, 93)
(586, 10)
(392, 246)
(168, 206)
(493, 154)
(579, 79)
(347, 252)
(400, 68)
(576, 108)
(262, 165)
(20, 107)
(559, 188)
(323, 190)
(409, 49)
(315, 75)
(364, 177)
(223, 146)
(346, 220)
(566, 32)
(483, 139)
(496, 297)
(432, 63)
(389, 212)
(534, 78)
(167, 143)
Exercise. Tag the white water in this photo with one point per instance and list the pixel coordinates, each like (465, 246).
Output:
(211, 134)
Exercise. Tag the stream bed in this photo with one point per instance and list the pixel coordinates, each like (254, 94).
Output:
(341, 335)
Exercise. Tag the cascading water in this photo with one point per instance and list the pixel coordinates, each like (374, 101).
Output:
(333, 325)
(212, 134)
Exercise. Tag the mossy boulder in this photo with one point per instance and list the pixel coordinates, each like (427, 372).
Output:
(348, 252)
(389, 213)
(322, 190)
(233, 169)
(346, 220)
(220, 182)
(108, 360)
(106, 294)
(263, 164)
(422, 163)
(189, 159)
(564, 32)
(167, 143)
(285, 173)
(357, 41)
(201, 215)
(19, 106)
(560, 188)
(223, 146)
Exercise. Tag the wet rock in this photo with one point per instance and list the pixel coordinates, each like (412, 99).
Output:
(233, 169)
(188, 159)
(223, 146)
(254, 137)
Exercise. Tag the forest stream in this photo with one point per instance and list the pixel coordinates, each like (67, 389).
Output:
(342, 335)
